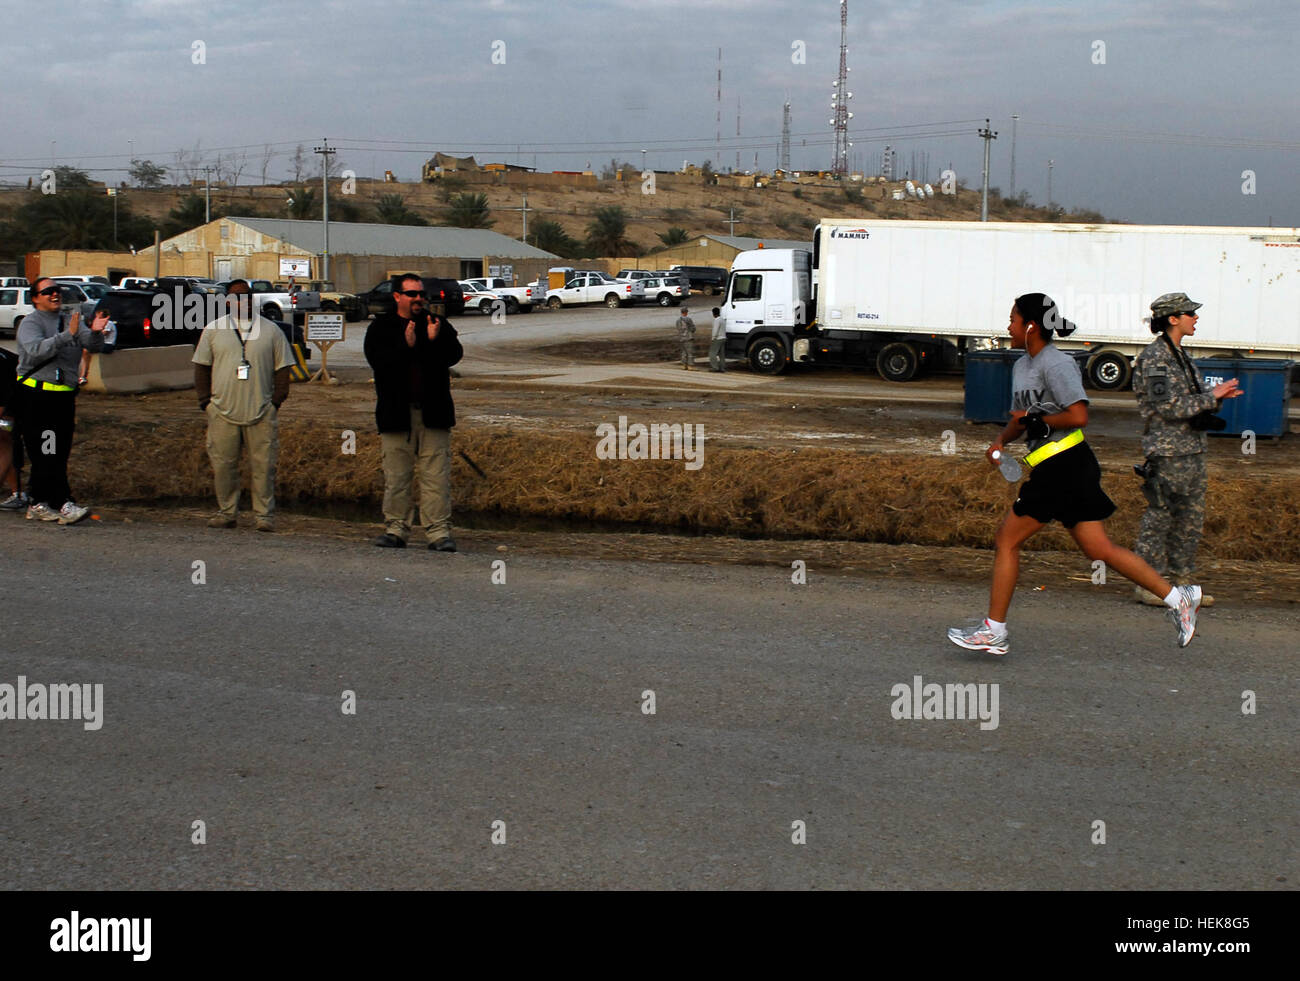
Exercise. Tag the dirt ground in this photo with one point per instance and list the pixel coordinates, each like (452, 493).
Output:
(496, 412)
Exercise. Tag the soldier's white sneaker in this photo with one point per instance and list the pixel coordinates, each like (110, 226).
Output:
(1184, 617)
(71, 513)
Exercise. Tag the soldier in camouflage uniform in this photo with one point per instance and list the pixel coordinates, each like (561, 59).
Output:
(1170, 396)
(686, 338)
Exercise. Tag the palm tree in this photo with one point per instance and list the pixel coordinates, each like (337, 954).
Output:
(606, 235)
(470, 211)
(391, 209)
(302, 203)
(551, 237)
(674, 236)
(188, 213)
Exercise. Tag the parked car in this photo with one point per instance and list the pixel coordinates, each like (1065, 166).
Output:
(273, 304)
(628, 274)
(331, 300)
(135, 283)
(482, 300)
(706, 279)
(82, 279)
(15, 303)
(519, 299)
(594, 287)
(141, 315)
(7, 281)
(667, 291)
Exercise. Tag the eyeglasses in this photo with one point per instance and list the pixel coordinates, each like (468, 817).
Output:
(49, 291)
(411, 293)
(1189, 313)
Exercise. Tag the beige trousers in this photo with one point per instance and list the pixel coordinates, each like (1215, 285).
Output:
(224, 441)
(425, 455)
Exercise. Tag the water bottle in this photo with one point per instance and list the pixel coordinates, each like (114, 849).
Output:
(1009, 466)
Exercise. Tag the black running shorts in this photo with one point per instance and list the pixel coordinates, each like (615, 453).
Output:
(1065, 488)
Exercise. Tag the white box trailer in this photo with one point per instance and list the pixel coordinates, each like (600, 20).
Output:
(907, 294)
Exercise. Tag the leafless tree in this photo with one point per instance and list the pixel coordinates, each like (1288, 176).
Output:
(268, 154)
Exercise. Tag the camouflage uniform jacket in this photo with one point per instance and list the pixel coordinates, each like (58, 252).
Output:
(685, 328)
(1167, 399)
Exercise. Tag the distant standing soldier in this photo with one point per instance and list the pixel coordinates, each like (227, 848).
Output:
(1176, 412)
(686, 338)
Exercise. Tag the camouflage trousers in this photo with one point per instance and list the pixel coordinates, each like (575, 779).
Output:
(1171, 527)
(687, 344)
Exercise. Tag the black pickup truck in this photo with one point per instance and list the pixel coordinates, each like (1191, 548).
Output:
(152, 318)
(446, 293)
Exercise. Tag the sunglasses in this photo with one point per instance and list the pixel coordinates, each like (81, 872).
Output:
(48, 291)
(412, 293)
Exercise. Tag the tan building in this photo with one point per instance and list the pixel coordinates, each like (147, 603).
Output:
(360, 254)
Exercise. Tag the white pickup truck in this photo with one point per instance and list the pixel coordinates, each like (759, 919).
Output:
(594, 287)
(275, 304)
(519, 299)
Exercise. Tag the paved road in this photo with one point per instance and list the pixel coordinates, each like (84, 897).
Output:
(522, 703)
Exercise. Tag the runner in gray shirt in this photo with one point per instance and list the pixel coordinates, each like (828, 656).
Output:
(1050, 409)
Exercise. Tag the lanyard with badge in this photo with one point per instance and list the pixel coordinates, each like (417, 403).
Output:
(241, 372)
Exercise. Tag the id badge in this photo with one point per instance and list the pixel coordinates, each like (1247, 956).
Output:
(241, 372)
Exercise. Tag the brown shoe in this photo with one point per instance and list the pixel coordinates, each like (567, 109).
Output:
(265, 524)
(221, 521)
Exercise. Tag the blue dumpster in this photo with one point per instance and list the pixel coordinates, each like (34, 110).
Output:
(988, 385)
(1266, 394)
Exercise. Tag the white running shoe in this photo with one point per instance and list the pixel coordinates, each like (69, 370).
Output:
(982, 638)
(1189, 601)
(41, 512)
(71, 513)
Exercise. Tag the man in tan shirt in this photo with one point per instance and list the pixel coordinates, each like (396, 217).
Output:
(241, 376)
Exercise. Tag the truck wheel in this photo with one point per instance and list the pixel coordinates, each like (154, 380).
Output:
(554, 303)
(612, 301)
(897, 362)
(485, 306)
(329, 306)
(1109, 371)
(512, 305)
(665, 299)
(271, 312)
(524, 307)
(767, 356)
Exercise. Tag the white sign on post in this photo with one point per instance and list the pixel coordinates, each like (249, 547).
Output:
(295, 267)
(324, 327)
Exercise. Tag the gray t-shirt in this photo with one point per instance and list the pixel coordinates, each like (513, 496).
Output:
(1048, 383)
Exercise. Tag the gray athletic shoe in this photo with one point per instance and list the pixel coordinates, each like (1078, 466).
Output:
(17, 501)
(1189, 601)
(982, 638)
(41, 512)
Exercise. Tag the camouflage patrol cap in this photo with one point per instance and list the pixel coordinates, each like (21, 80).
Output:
(1173, 303)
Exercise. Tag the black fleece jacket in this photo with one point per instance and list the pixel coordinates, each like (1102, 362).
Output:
(392, 361)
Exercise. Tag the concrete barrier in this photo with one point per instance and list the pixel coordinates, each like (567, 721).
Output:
(142, 369)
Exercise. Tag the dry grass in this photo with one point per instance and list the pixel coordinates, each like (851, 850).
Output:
(798, 494)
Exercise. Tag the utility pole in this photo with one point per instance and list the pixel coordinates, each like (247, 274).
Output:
(326, 152)
(524, 213)
(732, 222)
(988, 136)
(112, 192)
(1014, 118)
(207, 195)
(1050, 163)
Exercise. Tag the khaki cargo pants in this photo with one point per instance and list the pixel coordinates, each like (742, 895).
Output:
(224, 441)
(424, 454)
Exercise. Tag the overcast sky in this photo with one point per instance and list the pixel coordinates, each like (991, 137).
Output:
(1191, 92)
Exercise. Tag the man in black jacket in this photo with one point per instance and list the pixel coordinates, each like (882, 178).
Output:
(411, 352)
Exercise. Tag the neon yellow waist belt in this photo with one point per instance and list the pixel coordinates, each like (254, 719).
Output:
(47, 386)
(1049, 450)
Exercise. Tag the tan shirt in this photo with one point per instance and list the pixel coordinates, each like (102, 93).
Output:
(242, 401)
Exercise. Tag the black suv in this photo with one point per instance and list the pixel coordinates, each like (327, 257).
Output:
(706, 279)
(446, 293)
(140, 316)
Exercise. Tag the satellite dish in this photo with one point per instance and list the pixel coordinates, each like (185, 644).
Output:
(929, 191)
(910, 188)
